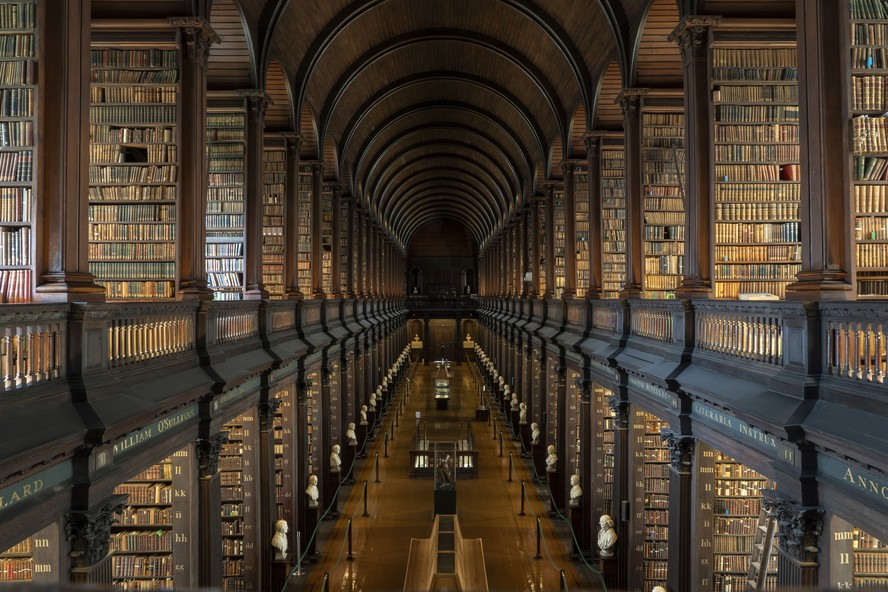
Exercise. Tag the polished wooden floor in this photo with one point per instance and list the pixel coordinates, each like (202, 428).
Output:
(401, 508)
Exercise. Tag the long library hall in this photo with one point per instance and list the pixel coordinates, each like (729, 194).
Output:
(444, 295)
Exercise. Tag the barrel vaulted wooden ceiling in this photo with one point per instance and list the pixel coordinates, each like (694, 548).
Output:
(442, 110)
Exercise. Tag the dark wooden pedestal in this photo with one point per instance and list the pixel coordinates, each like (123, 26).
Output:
(362, 437)
(331, 495)
(554, 481)
(311, 522)
(445, 500)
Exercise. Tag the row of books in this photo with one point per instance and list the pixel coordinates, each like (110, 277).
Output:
(132, 213)
(226, 120)
(132, 114)
(762, 132)
(133, 270)
(18, 72)
(131, 95)
(663, 248)
(127, 77)
(871, 228)
(759, 271)
(222, 183)
(756, 93)
(869, 135)
(15, 570)
(15, 204)
(225, 221)
(664, 264)
(872, 255)
(868, 94)
(789, 73)
(18, 15)
(163, 134)
(865, 58)
(122, 290)
(140, 540)
(146, 493)
(766, 58)
(780, 153)
(756, 172)
(117, 153)
(755, 113)
(671, 233)
(131, 173)
(871, 563)
(871, 198)
(747, 253)
(868, 9)
(144, 516)
(15, 286)
(780, 210)
(132, 193)
(141, 566)
(664, 218)
(15, 245)
(224, 280)
(17, 166)
(661, 282)
(133, 58)
(733, 290)
(119, 231)
(16, 102)
(756, 192)
(737, 506)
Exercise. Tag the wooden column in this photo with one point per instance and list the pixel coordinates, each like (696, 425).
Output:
(257, 102)
(361, 254)
(681, 511)
(593, 160)
(570, 231)
(267, 481)
(197, 36)
(317, 246)
(373, 259)
(824, 140)
(586, 459)
(630, 100)
(209, 541)
(335, 246)
(550, 241)
(351, 230)
(798, 532)
(62, 177)
(291, 232)
(692, 36)
(523, 251)
(622, 491)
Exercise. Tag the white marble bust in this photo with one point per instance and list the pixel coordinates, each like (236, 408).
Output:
(514, 403)
(551, 459)
(607, 536)
(312, 491)
(373, 402)
(576, 492)
(350, 435)
(335, 459)
(534, 433)
(522, 413)
(279, 539)
(363, 415)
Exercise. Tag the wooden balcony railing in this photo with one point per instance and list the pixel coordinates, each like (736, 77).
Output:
(855, 337)
(739, 330)
(234, 321)
(652, 319)
(606, 315)
(145, 332)
(32, 344)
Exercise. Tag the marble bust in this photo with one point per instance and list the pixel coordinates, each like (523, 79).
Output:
(607, 536)
(576, 492)
(312, 491)
(551, 459)
(279, 539)
(335, 459)
(363, 415)
(514, 403)
(534, 433)
(522, 413)
(350, 435)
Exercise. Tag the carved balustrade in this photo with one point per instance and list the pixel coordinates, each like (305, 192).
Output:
(855, 337)
(32, 344)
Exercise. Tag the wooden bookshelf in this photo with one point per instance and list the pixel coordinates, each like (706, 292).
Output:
(757, 246)
(544, 238)
(133, 170)
(558, 235)
(225, 228)
(142, 537)
(581, 228)
(656, 503)
(18, 124)
(604, 462)
(33, 560)
(343, 240)
(574, 427)
(17, 563)
(303, 235)
(613, 221)
(870, 560)
(327, 240)
(662, 153)
(274, 198)
(736, 508)
(868, 104)
(313, 425)
(237, 467)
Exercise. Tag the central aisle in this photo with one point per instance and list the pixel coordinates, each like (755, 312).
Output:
(401, 508)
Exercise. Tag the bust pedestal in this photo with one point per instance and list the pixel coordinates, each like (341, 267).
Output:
(581, 530)
(348, 462)
(524, 434)
(362, 437)
(312, 514)
(331, 493)
(557, 497)
(514, 413)
(371, 427)
(538, 454)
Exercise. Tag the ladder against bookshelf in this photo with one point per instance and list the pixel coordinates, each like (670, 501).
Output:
(757, 247)
(274, 197)
(18, 101)
(582, 228)
(663, 172)
(225, 227)
(869, 103)
(613, 221)
(133, 170)
(737, 510)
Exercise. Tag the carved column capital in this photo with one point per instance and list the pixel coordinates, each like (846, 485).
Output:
(593, 140)
(681, 449)
(798, 527)
(294, 141)
(90, 532)
(629, 100)
(267, 409)
(567, 170)
(257, 99)
(692, 36)
(621, 412)
(208, 451)
(197, 37)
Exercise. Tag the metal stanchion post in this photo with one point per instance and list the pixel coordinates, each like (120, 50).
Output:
(298, 553)
(377, 469)
(510, 467)
(521, 513)
(350, 557)
(366, 513)
(539, 555)
(385, 445)
(325, 586)
(501, 442)
(494, 428)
